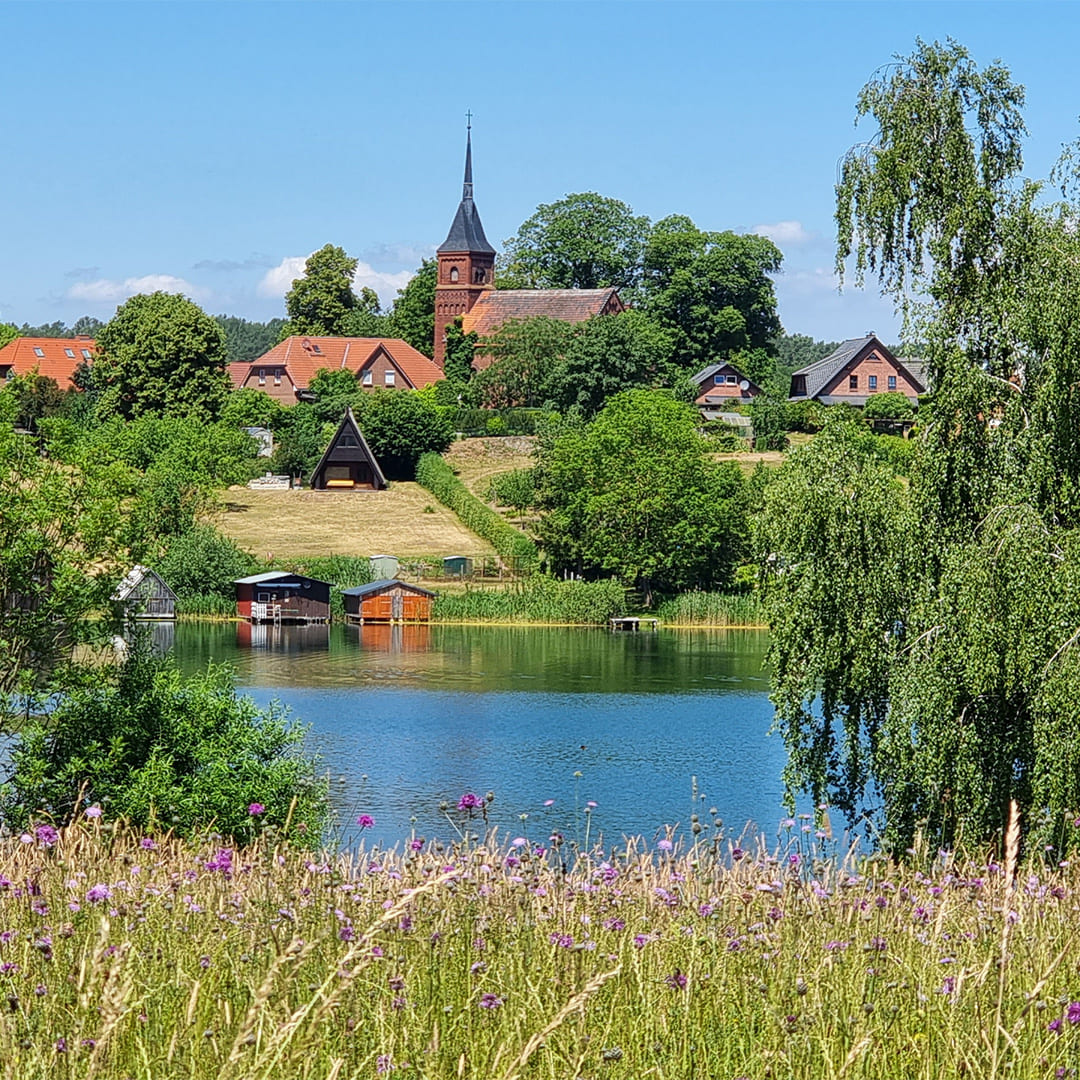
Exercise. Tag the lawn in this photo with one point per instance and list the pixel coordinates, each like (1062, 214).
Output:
(476, 461)
(405, 520)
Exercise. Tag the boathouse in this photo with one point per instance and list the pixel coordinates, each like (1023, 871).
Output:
(143, 594)
(388, 600)
(348, 463)
(281, 597)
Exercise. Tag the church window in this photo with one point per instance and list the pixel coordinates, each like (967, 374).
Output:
(478, 275)
(453, 273)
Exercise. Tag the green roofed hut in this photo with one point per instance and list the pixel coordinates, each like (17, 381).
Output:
(281, 597)
(386, 601)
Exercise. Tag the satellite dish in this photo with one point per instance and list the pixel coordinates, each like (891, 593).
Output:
(744, 386)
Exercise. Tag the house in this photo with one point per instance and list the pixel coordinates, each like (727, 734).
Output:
(720, 386)
(286, 371)
(348, 463)
(278, 596)
(858, 369)
(143, 594)
(388, 600)
(55, 358)
(465, 283)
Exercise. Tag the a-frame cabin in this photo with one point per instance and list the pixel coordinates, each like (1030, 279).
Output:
(348, 463)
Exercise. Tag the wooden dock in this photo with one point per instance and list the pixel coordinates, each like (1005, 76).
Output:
(634, 623)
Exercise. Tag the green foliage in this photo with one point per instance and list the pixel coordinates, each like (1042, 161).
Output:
(413, 314)
(203, 605)
(161, 355)
(366, 319)
(342, 571)
(248, 407)
(37, 397)
(770, 418)
(795, 351)
(63, 533)
(891, 405)
(203, 562)
(713, 291)
(167, 752)
(712, 609)
(524, 352)
(475, 421)
(8, 333)
(584, 241)
(634, 494)
(460, 352)
(806, 416)
(85, 325)
(540, 599)
(319, 302)
(298, 441)
(514, 546)
(400, 426)
(245, 340)
(515, 489)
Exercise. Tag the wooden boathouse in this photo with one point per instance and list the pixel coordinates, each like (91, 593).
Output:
(143, 594)
(281, 597)
(387, 601)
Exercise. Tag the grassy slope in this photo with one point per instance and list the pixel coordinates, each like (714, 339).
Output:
(476, 461)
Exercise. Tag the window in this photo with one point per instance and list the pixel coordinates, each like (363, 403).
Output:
(277, 378)
(365, 379)
(718, 380)
(453, 274)
(316, 349)
(478, 275)
(262, 376)
(892, 382)
(38, 351)
(853, 382)
(86, 354)
(70, 352)
(731, 380)
(388, 378)
(872, 380)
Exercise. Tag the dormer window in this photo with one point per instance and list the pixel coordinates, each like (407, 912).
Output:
(85, 353)
(38, 351)
(70, 353)
(453, 274)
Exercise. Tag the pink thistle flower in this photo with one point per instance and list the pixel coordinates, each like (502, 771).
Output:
(92, 811)
(256, 808)
(365, 821)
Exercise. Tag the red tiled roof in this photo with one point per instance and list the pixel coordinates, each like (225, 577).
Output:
(570, 305)
(301, 356)
(21, 356)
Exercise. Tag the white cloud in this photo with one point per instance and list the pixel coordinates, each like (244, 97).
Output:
(277, 282)
(790, 233)
(106, 290)
(818, 280)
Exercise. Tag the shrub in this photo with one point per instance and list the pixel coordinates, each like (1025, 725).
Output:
(203, 562)
(161, 750)
(342, 571)
(513, 545)
(891, 405)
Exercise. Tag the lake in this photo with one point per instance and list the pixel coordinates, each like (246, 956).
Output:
(409, 718)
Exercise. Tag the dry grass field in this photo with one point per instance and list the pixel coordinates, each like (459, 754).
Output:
(476, 461)
(299, 524)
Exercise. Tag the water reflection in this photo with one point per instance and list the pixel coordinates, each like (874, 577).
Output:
(413, 716)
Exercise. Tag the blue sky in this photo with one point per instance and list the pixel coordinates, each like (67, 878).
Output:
(208, 148)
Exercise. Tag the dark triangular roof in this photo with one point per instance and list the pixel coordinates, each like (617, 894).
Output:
(467, 233)
(348, 423)
(819, 374)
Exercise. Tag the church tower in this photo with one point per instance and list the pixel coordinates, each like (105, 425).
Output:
(466, 262)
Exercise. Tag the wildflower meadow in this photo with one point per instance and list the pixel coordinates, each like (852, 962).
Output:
(123, 955)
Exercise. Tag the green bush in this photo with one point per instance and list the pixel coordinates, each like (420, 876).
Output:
(514, 546)
(713, 609)
(202, 562)
(198, 604)
(891, 405)
(806, 416)
(511, 421)
(163, 751)
(540, 599)
(342, 571)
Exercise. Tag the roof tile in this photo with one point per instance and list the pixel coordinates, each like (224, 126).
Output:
(21, 357)
(569, 305)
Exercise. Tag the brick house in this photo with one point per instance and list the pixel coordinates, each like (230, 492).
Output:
(858, 369)
(721, 386)
(55, 358)
(465, 283)
(286, 371)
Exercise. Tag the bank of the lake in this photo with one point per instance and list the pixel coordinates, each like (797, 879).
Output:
(413, 716)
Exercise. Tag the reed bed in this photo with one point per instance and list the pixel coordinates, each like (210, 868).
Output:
(712, 609)
(536, 600)
(123, 956)
(205, 604)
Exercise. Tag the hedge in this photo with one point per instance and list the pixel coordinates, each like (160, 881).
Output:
(512, 544)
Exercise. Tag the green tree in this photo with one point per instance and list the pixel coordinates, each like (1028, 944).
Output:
(203, 561)
(367, 319)
(298, 441)
(584, 241)
(37, 397)
(460, 353)
(161, 354)
(245, 340)
(399, 426)
(62, 541)
(606, 355)
(8, 333)
(413, 316)
(320, 302)
(634, 494)
(525, 353)
(713, 291)
(167, 752)
(248, 407)
(888, 406)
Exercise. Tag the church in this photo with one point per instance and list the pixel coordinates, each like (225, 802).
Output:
(465, 286)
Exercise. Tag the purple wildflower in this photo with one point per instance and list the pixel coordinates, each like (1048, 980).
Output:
(470, 801)
(256, 808)
(1072, 1013)
(46, 835)
(147, 843)
(93, 811)
(489, 1001)
(416, 845)
(61, 1045)
(664, 845)
(365, 821)
(1054, 1025)
(98, 892)
(676, 980)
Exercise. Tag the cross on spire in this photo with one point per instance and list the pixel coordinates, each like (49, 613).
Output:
(468, 120)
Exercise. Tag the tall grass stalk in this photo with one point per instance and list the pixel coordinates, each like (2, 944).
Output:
(123, 956)
(712, 609)
(538, 600)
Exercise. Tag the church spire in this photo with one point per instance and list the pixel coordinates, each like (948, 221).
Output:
(466, 231)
